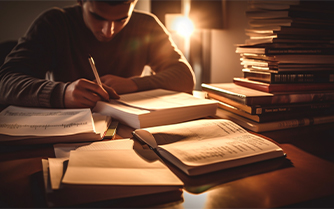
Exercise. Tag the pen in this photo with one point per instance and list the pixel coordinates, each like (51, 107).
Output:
(97, 77)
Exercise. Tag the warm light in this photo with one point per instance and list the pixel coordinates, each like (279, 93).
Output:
(184, 26)
(180, 24)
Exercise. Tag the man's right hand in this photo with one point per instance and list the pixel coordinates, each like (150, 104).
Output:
(85, 93)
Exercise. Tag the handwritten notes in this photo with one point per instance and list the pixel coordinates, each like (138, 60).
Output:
(22, 121)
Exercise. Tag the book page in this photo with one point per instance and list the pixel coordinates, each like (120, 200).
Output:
(209, 141)
(101, 123)
(62, 153)
(56, 171)
(19, 121)
(63, 150)
(194, 131)
(117, 167)
(161, 99)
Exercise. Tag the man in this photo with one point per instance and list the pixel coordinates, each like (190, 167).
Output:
(49, 67)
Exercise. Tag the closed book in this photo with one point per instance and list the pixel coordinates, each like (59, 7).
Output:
(254, 64)
(274, 125)
(292, 22)
(259, 109)
(275, 116)
(291, 87)
(238, 94)
(294, 58)
(293, 12)
(266, 40)
(287, 30)
(289, 77)
(298, 38)
(290, 4)
(292, 48)
(249, 96)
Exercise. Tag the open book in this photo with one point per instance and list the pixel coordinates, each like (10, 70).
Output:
(207, 145)
(156, 107)
(106, 170)
(26, 125)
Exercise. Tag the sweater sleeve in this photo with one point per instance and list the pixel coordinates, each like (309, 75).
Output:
(22, 76)
(170, 68)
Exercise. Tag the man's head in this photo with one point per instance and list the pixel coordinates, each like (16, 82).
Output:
(106, 18)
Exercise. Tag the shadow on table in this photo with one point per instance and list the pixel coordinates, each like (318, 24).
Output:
(202, 183)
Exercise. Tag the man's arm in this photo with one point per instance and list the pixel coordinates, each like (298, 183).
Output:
(22, 77)
(170, 68)
(119, 84)
(154, 47)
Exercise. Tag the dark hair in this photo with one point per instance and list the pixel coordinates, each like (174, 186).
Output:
(112, 2)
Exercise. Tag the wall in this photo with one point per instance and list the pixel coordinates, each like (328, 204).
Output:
(16, 16)
(225, 63)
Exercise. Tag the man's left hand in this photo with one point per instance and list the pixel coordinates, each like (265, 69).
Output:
(119, 84)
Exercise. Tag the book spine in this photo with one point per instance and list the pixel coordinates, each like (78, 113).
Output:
(258, 110)
(290, 77)
(275, 116)
(295, 123)
(253, 85)
(217, 93)
(276, 125)
(301, 105)
(302, 78)
(312, 51)
(291, 87)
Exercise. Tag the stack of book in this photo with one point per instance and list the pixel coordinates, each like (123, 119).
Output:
(289, 54)
(290, 42)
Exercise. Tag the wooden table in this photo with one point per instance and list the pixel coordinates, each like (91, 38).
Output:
(305, 178)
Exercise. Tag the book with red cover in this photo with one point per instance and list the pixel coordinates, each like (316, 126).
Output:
(293, 87)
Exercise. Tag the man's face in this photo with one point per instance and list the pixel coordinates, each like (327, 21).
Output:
(105, 20)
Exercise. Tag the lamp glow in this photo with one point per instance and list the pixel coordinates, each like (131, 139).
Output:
(183, 26)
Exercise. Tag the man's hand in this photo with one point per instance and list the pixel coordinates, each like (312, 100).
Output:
(119, 84)
(85, 93)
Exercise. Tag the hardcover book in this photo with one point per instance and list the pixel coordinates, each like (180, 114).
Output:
(274, 125)
(259, 109)
(259, 63)
(249, 96)
(291, 87)
(283, 49)
(276, 116)
(289, 77)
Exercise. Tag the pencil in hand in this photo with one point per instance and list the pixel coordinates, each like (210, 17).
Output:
(112, 93)
(96, 74)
